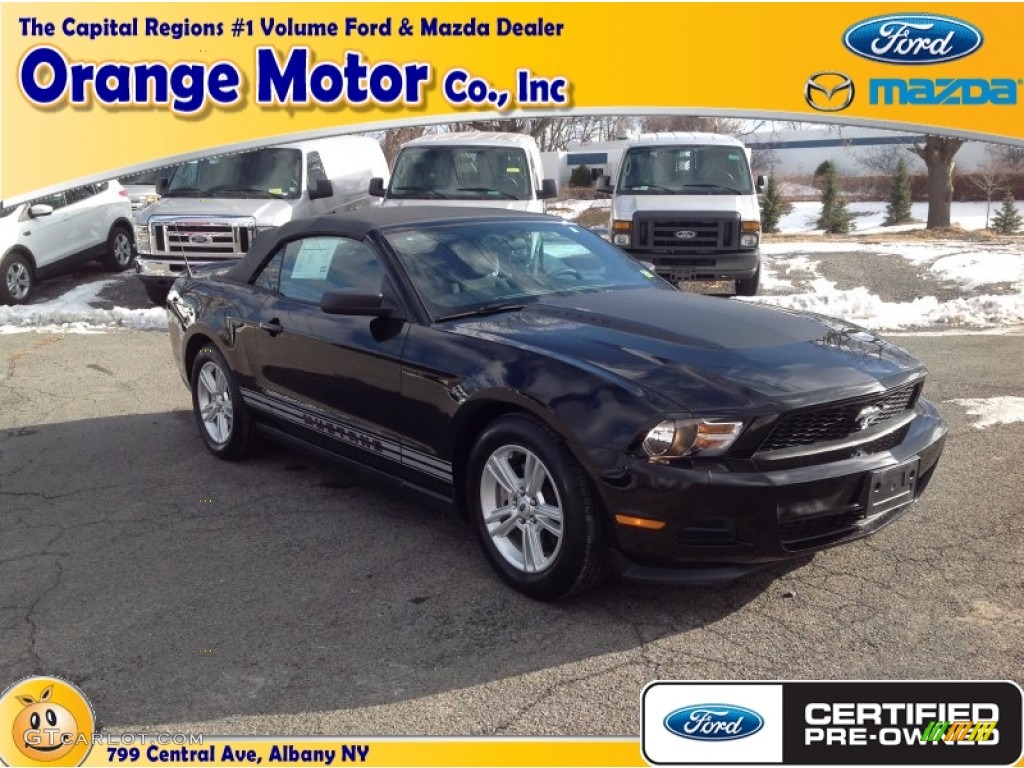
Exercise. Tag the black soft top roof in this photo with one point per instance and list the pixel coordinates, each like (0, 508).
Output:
(357, 224)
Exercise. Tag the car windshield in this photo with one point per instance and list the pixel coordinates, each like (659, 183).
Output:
(462, 173)
(467, 268)
(271, 172)
(685, 170)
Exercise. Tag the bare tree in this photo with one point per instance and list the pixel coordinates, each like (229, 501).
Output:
(697, 123)
(989, 177)
(1011, 158)
(938, 153)
(394, 138)
(883, 159)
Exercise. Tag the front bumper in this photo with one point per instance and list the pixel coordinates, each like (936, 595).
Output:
(164, 271)
(723, 521)
(739, 265)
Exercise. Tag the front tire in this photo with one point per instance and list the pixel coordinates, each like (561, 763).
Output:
(749, 286)
(534, 510)
(17, 280)
(120, 249)
(218, 407)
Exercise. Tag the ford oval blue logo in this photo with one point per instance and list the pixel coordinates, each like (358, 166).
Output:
(910, 38)
(714, 722)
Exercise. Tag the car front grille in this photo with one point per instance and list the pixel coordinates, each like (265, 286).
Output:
(686, 233)
(837, 421)
(206, 238)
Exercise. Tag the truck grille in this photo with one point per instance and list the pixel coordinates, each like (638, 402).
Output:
(837, 421)
(686, 233)
(205, 238)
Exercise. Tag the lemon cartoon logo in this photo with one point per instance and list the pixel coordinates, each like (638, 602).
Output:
(51, 723)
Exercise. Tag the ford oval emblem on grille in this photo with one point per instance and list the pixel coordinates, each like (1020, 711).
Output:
(912, 38)
(868, 416)
(714, 722)
(685, 234)
(198, 239)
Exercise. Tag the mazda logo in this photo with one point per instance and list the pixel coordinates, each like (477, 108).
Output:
(685, 234)
(198, 239)
(829, 91)
(868, 416)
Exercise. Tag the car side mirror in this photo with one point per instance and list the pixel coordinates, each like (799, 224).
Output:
(377, 187)
(320, 188)
(161, 185)
(548, 190)
(604, 186)
(351, 302)
(39, 209)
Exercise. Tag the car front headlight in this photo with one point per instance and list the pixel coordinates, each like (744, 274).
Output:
(142, 238)
(691, 437)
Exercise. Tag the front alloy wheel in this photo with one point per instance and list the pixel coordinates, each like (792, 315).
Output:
(220, 413)
(215, 402)
(17, 277)
(534, 509)
(521, 509)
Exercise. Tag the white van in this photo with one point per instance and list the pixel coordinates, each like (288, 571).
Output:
(211, 209)
(472, 168)
(687, 204)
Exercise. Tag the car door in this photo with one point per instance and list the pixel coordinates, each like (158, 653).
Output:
(80, 218)
(332, 379)
(48, 237)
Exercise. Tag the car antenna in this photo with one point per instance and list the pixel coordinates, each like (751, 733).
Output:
(184, 255)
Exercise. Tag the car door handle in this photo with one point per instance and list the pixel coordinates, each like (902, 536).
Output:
(273, 327)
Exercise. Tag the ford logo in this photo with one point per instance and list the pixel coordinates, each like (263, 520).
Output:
(714, 722)
(199, 239)
(910, 38)
(685, 234)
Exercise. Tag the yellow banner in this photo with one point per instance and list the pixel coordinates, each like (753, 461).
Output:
(97, 88)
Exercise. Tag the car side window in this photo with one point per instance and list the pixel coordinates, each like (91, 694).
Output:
(313, 266)
(55, 201)
(270, 276)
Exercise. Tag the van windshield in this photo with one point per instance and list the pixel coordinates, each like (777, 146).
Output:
(145, 178)
(685, 170)
(462, 173)
(270, 173)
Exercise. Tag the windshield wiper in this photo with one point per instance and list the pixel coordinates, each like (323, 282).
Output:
(714, 186)
(430, 192)
(646, 187)
(489, 190)
(248, 191)
(486, 309)
(187, 192)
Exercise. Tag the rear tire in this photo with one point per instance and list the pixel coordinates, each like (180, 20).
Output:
(157, 293)
(220, 412)
(749, 286)
(17, 280)
(534, 510)
(120, 249)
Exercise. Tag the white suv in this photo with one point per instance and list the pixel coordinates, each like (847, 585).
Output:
(43, 236)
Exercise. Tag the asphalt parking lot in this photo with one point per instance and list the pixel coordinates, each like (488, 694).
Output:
(281, 595)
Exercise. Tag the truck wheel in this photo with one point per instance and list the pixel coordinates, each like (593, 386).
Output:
(748, 287)
(157, 293)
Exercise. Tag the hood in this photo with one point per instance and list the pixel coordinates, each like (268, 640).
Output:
(705, 353)
(270, 212)
(509, 205)
(624, 206)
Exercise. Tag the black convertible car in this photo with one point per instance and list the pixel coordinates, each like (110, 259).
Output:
(585, 415)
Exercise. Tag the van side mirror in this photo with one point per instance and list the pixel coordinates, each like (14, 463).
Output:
(377, 187)
(604, 186)
(39, 209)
(760, 183)
(162, 182)
(548, 190)
(320, 188)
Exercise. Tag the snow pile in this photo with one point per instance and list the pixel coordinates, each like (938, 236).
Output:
(993, 410)
(72, 313)
(571, 209)
(971, 270)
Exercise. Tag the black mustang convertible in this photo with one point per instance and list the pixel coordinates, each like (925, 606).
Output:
(584, 414)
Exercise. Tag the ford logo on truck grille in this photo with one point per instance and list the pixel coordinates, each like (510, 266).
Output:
(198, 238)
(685, 234)
(714, 722)
(911, 38)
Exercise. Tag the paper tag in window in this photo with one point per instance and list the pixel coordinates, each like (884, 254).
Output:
(314, 259)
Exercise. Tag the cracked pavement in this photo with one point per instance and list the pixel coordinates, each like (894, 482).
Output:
(279, 595)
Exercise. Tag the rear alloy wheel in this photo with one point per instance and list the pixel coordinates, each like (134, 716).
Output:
(749, 286)
(218, 407)
(534, 510)
(120, 249)
(16, 279)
